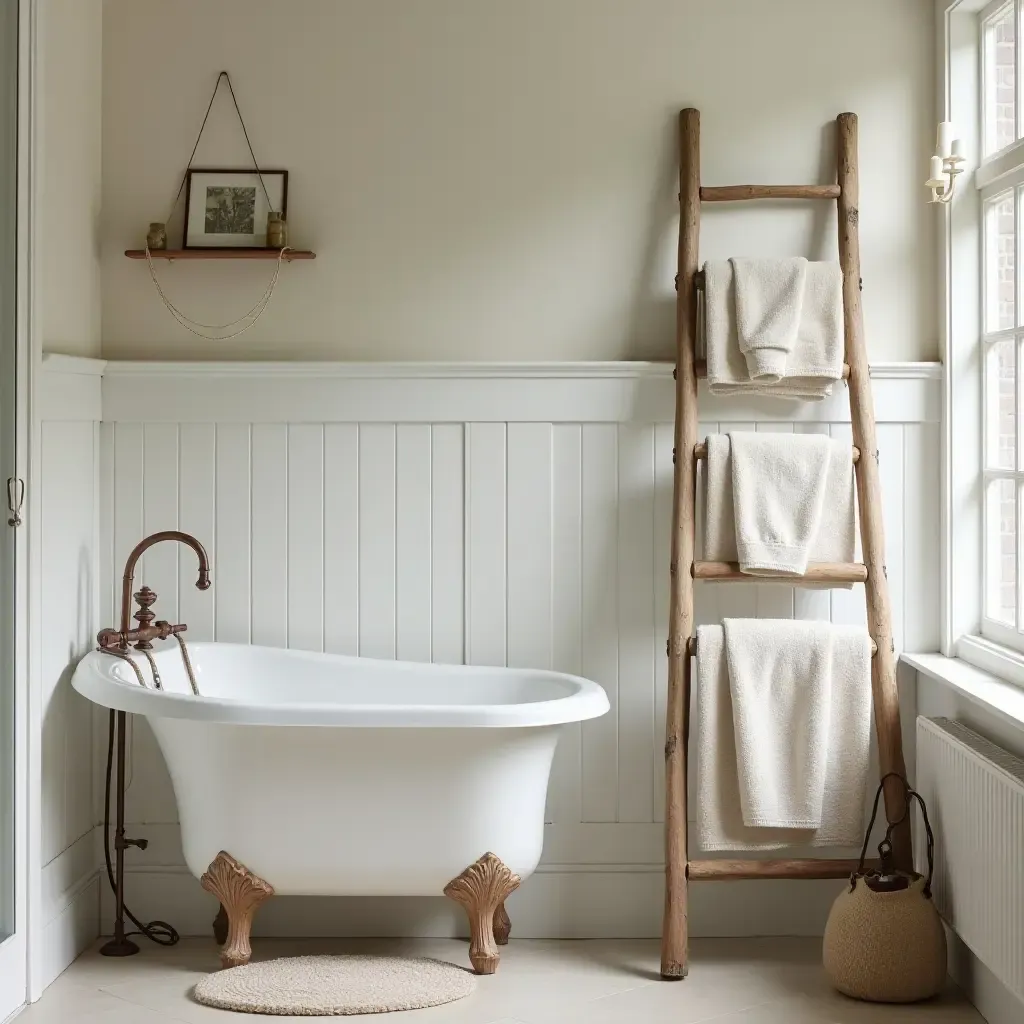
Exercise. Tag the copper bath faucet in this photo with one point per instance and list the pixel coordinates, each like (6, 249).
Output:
(149, 631)
(116, 642)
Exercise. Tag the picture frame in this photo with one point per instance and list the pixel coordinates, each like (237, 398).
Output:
(226, 208)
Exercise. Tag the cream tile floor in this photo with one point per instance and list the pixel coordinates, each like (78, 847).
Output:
(732, 981)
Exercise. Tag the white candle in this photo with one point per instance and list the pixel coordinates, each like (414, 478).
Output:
(936, 169)
(957, 148)
(944, 138)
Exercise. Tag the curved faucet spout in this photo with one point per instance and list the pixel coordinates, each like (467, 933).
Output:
(203, 583)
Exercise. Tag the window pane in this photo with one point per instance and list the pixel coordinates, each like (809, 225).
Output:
(1000, 80)
(999, 264)
(1001, 406)
(1001, 556)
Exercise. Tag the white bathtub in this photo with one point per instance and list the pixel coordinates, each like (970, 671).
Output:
(329, 775)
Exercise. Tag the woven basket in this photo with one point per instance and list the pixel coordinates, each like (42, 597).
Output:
(884, 940)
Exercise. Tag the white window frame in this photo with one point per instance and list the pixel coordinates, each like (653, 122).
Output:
(1000, 176)
(1006, 186)
(966, 633)
(987, 14)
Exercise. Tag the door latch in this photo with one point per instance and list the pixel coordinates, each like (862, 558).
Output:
(15, 499)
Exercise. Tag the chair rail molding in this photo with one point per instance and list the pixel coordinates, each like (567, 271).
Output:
(278, 392)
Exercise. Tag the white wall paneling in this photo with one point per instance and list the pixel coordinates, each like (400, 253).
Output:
(447, 530)
(305, 552)
(270, 533)
(565, 794)
(68, 597)
(376, 539)
(341, 540)
(391, 512)
(413, 545)
(232, 532)
(197, 457)
(599, 612)
(67, 492)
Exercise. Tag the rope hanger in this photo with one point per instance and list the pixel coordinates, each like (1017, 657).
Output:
(257, 310)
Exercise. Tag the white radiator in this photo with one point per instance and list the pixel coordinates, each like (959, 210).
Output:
(975, 796)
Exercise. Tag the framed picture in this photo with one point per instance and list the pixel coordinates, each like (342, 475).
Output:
(227, 209)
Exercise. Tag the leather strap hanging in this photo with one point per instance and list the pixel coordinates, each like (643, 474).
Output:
(885, 846)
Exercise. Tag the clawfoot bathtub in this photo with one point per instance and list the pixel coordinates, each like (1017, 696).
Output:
(314, 774)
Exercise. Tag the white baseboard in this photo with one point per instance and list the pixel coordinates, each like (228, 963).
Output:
(994, 1001)
(70, 908)
(570, 902)
(71, 932)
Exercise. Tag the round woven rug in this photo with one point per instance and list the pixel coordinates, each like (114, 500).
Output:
(328, 986)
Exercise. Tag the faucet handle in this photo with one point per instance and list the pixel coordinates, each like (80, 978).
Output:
(107, 638)
(167, 630)
(145, 615)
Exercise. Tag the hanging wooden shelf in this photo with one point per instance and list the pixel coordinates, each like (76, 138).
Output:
(220, 254)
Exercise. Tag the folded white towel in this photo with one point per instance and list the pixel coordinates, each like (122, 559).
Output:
(769, 302)
(816, 360)
(780, 685)
(720, 824)
(820, 339)
(834, 537)
(778, 486)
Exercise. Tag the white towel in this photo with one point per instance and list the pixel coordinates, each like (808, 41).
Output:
(769, 300)
(834, 539)
(817, 357)
(778, 487)
(780, 685)
(720, 824)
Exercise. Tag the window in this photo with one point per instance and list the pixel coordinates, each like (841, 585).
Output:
(999, 87)
(1001, 177)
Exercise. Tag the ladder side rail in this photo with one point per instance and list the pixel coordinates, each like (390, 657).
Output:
(674, 937)
(869, 497)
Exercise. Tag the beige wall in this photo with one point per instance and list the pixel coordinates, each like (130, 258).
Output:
(495, 180)
(71, 33)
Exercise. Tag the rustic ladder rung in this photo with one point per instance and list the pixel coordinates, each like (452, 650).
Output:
(738, 193)
(679, 869)
(699, 280)
(700, 451)
(700, 368)
(691, 647)
(817, 572)
(734, 870)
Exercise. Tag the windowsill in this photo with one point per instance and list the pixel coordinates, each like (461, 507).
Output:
(984, 688)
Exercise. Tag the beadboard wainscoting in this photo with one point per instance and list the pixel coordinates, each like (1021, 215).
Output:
(500, 515)
(63, 500)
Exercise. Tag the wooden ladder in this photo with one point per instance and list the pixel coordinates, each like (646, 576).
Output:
(679, 869)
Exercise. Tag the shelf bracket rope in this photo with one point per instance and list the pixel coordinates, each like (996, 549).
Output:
(197, 328)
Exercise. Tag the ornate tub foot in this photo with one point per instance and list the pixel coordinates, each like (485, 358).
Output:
(220, 926)
(502, 925)
(482, 889)
(240, 893)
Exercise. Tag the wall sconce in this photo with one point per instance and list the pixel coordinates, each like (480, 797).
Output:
(945, 165)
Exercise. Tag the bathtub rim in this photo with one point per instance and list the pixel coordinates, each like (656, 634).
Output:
(94, 679)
